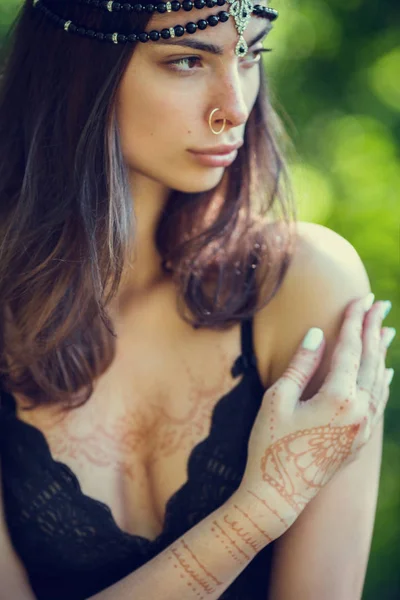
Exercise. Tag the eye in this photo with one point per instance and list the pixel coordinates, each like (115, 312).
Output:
(256, 55)
(183, 61)
(250, 58)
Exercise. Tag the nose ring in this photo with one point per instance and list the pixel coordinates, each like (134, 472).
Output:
(210, 124)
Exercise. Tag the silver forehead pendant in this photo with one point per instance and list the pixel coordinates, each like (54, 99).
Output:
(241, 11)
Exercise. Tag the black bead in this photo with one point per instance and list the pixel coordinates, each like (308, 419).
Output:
(150, 8)
(191, 27)
(116, 6)
(143, 37)
(175, 5)
(126, 8)
(154, 36)
(81, 31)
(109, 37)
(100, 36)
(179, 30)
(199, 3)
(138, 8)
(121, 38)
(210, 3)
(132, 38)
(103, 4)
(187, 5)
(90, 33)
(165, 34)
(72, 28)
(223, 16)
(213, 20)
(162, 7)
(202, 24)
(221, 2)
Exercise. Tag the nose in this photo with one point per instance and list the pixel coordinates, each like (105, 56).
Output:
(231, 98)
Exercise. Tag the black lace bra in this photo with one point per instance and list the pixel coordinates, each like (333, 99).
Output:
(70, 544)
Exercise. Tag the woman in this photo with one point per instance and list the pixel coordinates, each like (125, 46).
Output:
(154, 438)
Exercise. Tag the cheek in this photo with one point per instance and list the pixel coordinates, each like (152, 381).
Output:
(147, 114)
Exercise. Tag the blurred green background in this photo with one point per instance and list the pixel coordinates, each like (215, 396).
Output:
(335, 78)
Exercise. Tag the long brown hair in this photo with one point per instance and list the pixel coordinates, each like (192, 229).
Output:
(66, 212)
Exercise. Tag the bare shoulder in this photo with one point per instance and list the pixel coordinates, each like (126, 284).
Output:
(326, 273)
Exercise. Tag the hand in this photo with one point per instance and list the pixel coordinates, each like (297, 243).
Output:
(296, 447)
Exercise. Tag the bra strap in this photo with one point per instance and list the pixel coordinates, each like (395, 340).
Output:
(7, 403)
(247, 359)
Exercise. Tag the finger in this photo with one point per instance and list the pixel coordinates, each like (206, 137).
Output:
(378, 387)
(385, 395)
(387, 336)
(302, 367)
(346, 357)
(372, 349)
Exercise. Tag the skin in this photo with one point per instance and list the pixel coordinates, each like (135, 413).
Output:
(155, 149)
(163, 163)
(163, 111)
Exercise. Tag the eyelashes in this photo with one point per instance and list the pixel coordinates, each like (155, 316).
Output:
(175, 63)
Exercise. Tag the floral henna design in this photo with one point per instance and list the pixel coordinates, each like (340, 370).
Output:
(307, 457)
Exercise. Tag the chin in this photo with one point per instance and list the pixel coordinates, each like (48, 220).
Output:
(201, 183)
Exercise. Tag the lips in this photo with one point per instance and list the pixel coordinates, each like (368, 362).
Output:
(219, 150)
(215, 160)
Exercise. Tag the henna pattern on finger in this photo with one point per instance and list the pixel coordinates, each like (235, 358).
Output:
(308, 457)
(296, 375)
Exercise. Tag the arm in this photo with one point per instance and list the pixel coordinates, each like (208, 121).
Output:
(325, 552)
(202, 562)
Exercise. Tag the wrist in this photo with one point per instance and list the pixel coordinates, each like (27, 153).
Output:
(264, 511)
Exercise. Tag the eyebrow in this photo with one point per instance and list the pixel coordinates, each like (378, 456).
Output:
(206, 46)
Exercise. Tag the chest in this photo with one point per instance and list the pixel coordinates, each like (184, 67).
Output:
(129, 445)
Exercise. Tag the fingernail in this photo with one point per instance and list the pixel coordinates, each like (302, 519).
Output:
(368, 302)
(390, 376)
(313, 339)
(388, 308)
(388, 336)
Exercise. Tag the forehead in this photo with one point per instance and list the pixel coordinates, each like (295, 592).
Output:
(224, 33)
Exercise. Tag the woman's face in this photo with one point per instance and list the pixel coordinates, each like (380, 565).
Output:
(163, 108)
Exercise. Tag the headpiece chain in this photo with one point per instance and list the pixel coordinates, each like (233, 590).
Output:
(240, 10)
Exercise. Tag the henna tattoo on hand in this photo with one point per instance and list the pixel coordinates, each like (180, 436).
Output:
(300, 464)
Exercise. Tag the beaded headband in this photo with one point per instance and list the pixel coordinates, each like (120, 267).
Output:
(240, 10)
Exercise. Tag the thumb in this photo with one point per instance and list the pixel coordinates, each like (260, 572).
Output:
(302, 366)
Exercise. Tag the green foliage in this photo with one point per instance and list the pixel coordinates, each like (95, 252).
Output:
(335, 79)
(336, 71)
